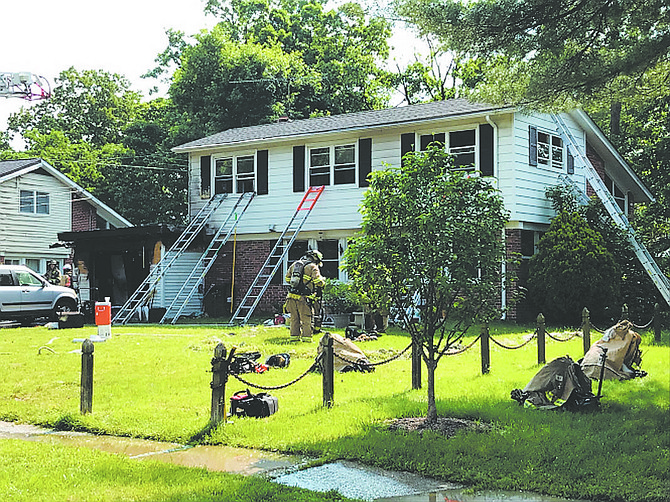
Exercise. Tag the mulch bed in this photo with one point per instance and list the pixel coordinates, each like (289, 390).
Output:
(446, 426)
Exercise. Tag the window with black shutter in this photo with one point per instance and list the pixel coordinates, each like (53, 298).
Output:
(205, 176)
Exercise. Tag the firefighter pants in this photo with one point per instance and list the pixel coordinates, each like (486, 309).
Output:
(301, 317)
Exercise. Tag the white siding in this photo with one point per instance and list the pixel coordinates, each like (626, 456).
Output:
(522, 185)
(174, 279)
(28, 235)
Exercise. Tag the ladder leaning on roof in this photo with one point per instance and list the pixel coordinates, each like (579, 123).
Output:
(145, 291)
(207, 259)
(274, 260)
(651, 267)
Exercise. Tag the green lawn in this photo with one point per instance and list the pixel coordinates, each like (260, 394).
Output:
(153, 382)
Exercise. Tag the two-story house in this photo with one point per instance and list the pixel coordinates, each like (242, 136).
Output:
(37, 202)
(522, 154)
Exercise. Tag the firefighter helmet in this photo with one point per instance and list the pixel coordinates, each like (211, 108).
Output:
(315, 255)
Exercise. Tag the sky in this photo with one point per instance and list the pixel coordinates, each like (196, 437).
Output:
(45, 37)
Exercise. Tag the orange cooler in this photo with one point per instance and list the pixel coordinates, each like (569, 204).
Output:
(103, 313)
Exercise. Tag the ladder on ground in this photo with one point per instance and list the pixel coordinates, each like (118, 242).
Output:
(197, 275)
(659, 279)
(142, 296)
(274, 260)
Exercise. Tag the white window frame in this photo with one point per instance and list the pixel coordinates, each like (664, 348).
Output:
(454, 151)
(612, 188)
(314, 244)
(235, 178)
(331, 168)
(470, 149)
(37, 200)
(553, 144)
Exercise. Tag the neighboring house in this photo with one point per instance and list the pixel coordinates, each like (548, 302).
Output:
(37, 202)
(521, 153)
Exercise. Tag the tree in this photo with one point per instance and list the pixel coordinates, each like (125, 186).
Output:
(267, 59)
(431, 246)
(571, 270)
(636, 289)
(223, 84)
(91, 105)
(554, 51)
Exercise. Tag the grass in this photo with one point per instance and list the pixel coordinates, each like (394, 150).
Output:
(50, 473)
(153, 382)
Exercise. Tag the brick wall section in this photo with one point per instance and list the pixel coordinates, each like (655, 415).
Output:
(249, 258)
(83, 215)
(513, 245)
(599, 166)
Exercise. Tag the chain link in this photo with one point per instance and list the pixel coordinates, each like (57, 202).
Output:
(460, 351)
(513, 348)
(379, 363)
(558, 339)
(277, 387)
(645, 326)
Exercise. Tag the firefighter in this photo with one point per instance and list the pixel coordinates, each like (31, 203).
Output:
(304, 278)
(66, 277)
(53, 275)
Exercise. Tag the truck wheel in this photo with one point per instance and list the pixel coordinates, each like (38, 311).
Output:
(64, 305)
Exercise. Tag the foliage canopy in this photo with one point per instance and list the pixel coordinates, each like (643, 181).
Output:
(430, 248)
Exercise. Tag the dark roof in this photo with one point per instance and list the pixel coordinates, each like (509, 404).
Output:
(11, 166)
(343, 122)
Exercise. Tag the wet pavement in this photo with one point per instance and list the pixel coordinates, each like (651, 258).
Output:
(214, 458)
(348, 478)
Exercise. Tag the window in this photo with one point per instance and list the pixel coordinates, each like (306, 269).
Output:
(238, 172)
(33, 264)
(245, 174)
(549, 150)
(617, 193)
(337, 163)
(462, 147)
(34, 202)
(331, 263)
(332, 250)
(223, 179)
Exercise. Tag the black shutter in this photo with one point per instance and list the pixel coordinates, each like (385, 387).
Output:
(205, 175)
(406, 144)
(486, 149)
(262, 172)
(571, 164)
(364, 161)
(532, 145)
(298, 168)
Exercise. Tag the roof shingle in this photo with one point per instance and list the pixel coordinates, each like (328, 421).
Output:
(343, 122)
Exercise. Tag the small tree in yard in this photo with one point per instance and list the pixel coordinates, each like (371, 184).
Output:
(431, 246)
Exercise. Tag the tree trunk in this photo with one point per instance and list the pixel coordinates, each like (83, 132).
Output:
(615, 119)
(431, 415)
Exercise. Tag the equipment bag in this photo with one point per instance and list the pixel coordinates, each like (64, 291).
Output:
(245, 404)
(244, 362)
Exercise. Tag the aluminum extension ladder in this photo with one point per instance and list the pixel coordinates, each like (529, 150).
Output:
(146, 290)
(207, 259)
(274, 260)
(659, 279)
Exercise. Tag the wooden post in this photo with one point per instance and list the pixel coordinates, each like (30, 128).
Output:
(624, 312)
(328, 371)
(86, 401)
(416, 363)
(486, 356)
(586, 330)
(657, 323)
(541, 330)
(218, 384)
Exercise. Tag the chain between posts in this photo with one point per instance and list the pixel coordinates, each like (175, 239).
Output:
(518, 346)
(283, 386)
